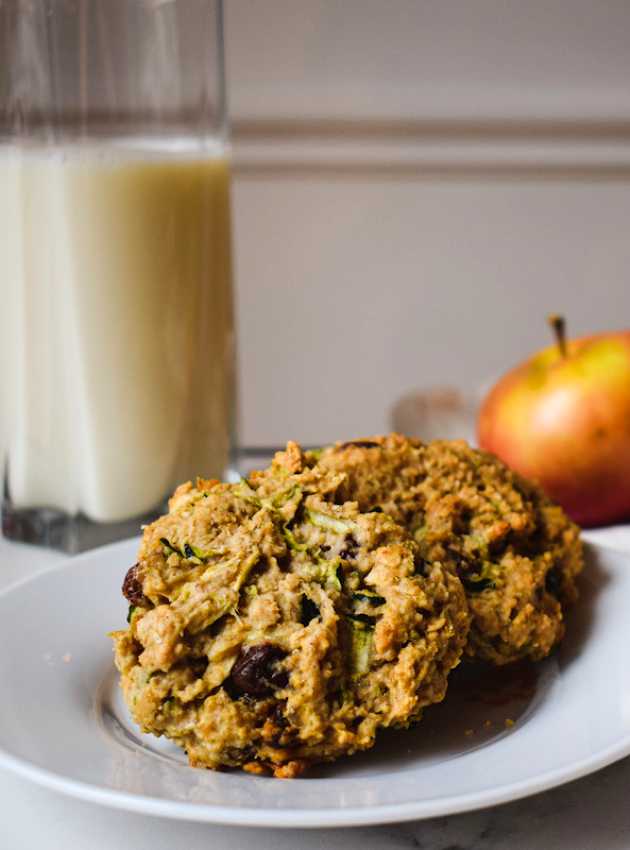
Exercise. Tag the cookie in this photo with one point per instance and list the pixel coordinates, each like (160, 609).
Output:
(517, 553)
(271, 627)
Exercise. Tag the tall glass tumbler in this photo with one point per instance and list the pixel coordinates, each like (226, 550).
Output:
(116, 328)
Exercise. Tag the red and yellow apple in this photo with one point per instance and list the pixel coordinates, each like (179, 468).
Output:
(562, 418)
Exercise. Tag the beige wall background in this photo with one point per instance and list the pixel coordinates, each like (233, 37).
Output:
(417, 184)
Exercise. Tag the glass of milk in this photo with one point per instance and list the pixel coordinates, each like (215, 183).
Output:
(116, 324)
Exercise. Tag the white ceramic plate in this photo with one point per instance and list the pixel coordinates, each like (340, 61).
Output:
(62, 723)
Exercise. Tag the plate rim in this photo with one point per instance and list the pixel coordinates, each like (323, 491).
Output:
(313, 819)
(249, 816)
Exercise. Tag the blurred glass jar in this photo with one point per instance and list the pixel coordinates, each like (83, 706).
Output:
(437, 413)
(117, 376)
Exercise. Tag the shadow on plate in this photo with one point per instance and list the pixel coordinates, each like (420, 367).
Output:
(483, 704)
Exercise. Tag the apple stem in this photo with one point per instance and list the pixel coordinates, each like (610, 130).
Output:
(558, 326)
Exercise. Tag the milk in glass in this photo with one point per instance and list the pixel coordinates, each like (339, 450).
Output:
(116, 325)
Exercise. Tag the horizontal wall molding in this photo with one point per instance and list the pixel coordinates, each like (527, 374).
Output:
(256, 128)
(443, 148)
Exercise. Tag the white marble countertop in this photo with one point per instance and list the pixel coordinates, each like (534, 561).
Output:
(589, 814)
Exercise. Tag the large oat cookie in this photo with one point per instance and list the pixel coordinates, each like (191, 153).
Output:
(272, 627)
